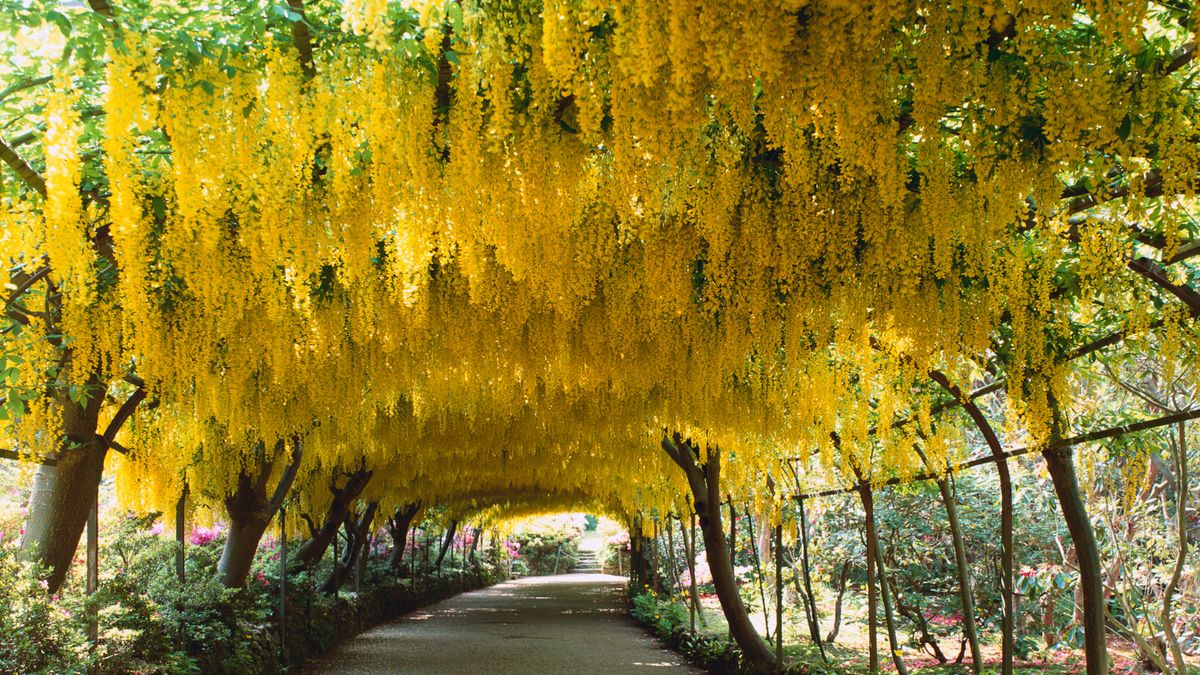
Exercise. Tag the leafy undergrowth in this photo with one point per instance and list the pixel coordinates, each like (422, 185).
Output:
(667, 618)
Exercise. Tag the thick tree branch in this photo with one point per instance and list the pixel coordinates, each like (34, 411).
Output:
(18, 164)
(123, 414)
(1155, 273)
(302, 39)
(24, 84)
(289, 475)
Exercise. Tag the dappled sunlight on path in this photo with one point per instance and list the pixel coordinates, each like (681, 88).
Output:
(571, 623)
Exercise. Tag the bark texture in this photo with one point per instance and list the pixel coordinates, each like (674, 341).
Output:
(63, 493)
(398, 526)
(1061, 466)
(704, 481)
(250, 511)
(314, 549)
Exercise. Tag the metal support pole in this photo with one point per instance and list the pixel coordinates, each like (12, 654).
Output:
(180, 517)
(283, 585)
(412, 556)
(779, 598)
(336, 564)
(93, 570)
(180, 571)
(359, 561)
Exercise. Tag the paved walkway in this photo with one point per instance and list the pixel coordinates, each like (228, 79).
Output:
(571, 623)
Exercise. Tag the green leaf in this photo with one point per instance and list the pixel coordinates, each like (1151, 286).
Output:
(456, 17)
(60, 20)
(1125, 128)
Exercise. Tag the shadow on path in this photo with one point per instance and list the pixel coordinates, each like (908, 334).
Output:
(571, 623)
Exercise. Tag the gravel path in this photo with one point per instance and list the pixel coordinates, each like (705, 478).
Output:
(571, 623)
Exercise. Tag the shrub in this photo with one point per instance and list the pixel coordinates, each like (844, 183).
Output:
(548, 545)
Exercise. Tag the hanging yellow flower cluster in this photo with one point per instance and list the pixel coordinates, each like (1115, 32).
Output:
(760, 224)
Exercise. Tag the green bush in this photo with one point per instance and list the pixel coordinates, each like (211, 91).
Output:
(548, 545)
(669, 620)
(40, 633)
(150, 622)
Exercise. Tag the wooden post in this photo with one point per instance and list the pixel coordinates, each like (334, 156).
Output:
(865, 495)
(762, 591)
(358, 564)
(654, 556)
(180, 558)
(93, 569)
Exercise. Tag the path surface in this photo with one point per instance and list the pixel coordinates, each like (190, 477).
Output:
(571, 623)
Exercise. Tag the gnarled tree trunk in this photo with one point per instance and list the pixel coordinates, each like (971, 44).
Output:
(704, 481)
(358, 532)
(250, 511)
(65, 490)
(398, 526)
(446, 543)
(314, 549)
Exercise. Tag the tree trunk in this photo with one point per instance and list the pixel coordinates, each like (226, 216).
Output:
(63, 494)
(250, 511)
(1060, 464)
(810, 607)
(888, 616)
(704, 481)
(1181, 554)
(357, 531)
(398, 526)
(1007, 588)
(966, 592)
(837, 605)
(446, 543)
(689, 543)
(248, 521)
(314, 549)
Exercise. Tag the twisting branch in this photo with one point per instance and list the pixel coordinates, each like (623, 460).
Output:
(289, 475)
(24, 84)
(18, 164)
(23, 284)
(1154, 272)
(1181, 57)
(122, 416)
